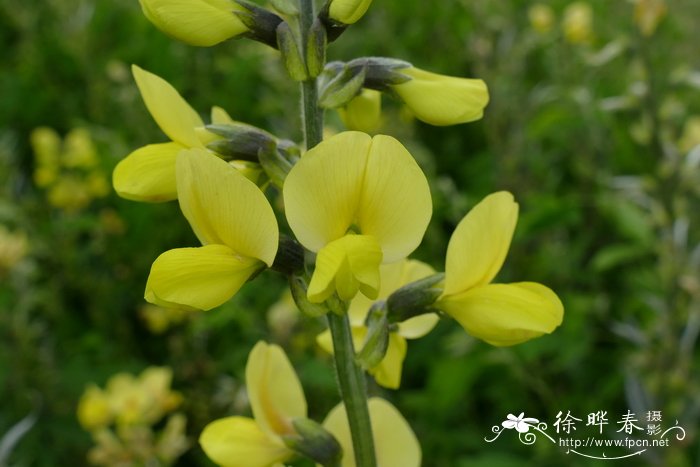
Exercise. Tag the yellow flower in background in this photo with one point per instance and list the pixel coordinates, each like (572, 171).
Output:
(394, 441)
(276, 399)
(393, 276)
(578, 23)
(94, 410)
(348, 11)
(442, 100)
(159, 319)
(13, 247)
(648, 14)
(500, 314)
(237, 228)
(196, 22)
(129, 400)
(79, 150)
(357, 202)
(363, 112)
(69, 192)
(541, 17)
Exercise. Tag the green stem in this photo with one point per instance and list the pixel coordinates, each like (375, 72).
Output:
(353, 390)
(351, 378)
(312, 114)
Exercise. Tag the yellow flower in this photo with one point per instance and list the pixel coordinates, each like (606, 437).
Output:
(356, 201)
(648, 14)
(79, 150)
(393, 276)
(500, 314)
(47, 150)
(394, 441)
(541, 17)
(363, 112)
(348, 11)
(578, 22)
(196, 22)
(234, 222)
(148, 173)
(94, 409)
(276, 399)
(13, 247)
(442, 100)
(143, 400)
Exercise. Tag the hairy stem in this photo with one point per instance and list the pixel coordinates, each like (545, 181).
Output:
(351, 379)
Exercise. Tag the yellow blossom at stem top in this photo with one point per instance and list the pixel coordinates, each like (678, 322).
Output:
(148, 173)
(578, 23)
(237, 228)
(348, 11)
(442, 100)
(393, 276)
(395, 443)
(500, 314)
(356, 201)
(196, 22)
(276, 399)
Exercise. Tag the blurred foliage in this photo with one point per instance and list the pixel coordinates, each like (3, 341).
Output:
(593, 125)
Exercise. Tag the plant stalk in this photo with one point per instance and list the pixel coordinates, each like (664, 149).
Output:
(351, 378)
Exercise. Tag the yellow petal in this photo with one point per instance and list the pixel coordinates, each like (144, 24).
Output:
(396, 206)
(274, 391)
(392, 277)
(198, 278)
(239, 442)
(394, 441)
(346, 265)
(388, 372)
(93, 409)
(219, 116)
(170, 111)
(196, 22)
(443, 100)
(363, 112)
(480, 243)
(322, 191)
(325, 340)
(148, 174)
(506, 314)
(418, 326)
(348, 11)
(224, 207)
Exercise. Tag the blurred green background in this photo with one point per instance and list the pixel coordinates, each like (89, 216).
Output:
(594, 126)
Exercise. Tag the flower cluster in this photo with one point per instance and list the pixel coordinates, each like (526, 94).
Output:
(356, 207)
(68, 169)
(121, 419)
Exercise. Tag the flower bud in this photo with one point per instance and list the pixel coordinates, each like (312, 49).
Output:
(262, 24)
(376, 341)
(291, 54)
(541, 17)
(196, 22)
(347, 11)
(315, 442)
(442, 100)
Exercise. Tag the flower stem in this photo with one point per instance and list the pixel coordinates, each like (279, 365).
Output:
(312, 114)
(353, 390)
(351, 378)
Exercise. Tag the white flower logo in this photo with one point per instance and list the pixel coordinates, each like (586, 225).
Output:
(522, 425)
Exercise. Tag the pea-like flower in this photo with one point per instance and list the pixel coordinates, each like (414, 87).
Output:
(500, 314)
(196, 22)
(356, 201)
(394, 441)
(276, 399)
(393, 276)
(348, 11)
(235, 223)
(442, 100)
(148, 173)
